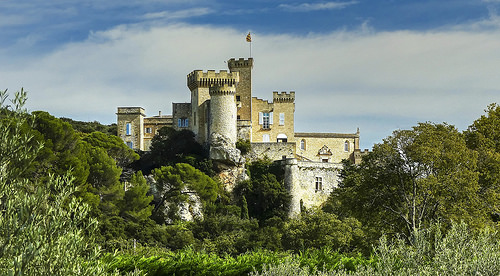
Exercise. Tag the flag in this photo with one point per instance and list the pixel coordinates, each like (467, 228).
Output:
(249, 38)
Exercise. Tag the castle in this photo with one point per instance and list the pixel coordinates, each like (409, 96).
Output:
(222, 111)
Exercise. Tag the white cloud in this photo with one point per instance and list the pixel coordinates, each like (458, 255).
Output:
(181, 14)
(306, 7)
(378, 81)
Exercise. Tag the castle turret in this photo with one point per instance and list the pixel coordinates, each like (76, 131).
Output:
(223, 131)
(244, 88)
(223, 112)
(199, 83)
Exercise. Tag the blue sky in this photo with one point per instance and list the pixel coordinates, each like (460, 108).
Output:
(379, 65)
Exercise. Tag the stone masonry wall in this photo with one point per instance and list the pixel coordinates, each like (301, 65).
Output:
(273, 151)
(135, 117)
(300, 180)
(223, 112)
(282, 103)
(335, 143)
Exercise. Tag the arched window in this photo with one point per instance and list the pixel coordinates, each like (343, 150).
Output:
(303, 144)
(346, 146)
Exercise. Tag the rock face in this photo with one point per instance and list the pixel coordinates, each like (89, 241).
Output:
(223, 150)
(229, 175)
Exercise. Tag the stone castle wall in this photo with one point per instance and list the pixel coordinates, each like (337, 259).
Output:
(273, 151)
(301, 180)
(336, 143)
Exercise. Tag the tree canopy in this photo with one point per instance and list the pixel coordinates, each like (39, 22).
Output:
(413, 178)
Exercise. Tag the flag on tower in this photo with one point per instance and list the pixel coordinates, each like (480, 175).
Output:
(249, 37)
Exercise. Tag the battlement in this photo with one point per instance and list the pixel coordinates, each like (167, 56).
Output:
(240, 63)
(223, 89)
(199, 78)
(283, 97)
(131, 111)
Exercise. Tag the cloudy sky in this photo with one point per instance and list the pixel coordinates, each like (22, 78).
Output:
(379, 65)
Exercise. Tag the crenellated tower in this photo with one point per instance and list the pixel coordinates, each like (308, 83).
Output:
(244, 88)
(199, 84)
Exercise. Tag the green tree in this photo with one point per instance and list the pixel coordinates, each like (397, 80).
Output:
(43, 227)
(173, 186)
(413, 178)
(317, 229)
(114, 146)
(266, 196)
(136, 202)
(483, 136)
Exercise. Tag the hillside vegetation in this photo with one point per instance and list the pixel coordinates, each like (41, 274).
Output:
(74, 200)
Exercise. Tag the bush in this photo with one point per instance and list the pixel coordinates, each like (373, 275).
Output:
(244, 146)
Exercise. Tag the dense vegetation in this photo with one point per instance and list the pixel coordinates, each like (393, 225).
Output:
(75, 200)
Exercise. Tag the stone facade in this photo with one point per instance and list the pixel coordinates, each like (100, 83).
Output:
(152, 125)
(310, 182)
(273, 151)
(273, 122)
(130, 125)
(326, 147)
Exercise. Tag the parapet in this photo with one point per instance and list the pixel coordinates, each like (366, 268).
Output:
(224, 89)
(240, 63)
(283, 97)
(199, 78)
(131, 111)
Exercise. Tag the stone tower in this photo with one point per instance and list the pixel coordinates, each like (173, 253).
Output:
(130, 123)
(223, 112)
(222, 127)
(199, 83)
(244, 88)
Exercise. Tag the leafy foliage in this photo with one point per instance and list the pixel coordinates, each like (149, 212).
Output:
(44, 229)
(317, 229)
(412, 179)
(264, 192)
(173, 186)
(483, 136)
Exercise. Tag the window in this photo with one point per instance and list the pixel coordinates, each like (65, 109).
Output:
(282, 119)
(265, 138)
(130, 145)
(238, 98)
(238, 117)
(265, 119)
(281, 138)
(183, 122)
(319, 183)
(346, 146)
(148, 130)
(303, 144)
(129, 129)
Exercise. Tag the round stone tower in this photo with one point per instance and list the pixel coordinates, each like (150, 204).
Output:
(223, 112)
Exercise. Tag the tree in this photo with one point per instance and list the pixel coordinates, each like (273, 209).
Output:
(413, 178)
(266, 196)
(44, 229)
(483, 136)
(136, 203)
(116, 149)
(175, 183)
(318, 229)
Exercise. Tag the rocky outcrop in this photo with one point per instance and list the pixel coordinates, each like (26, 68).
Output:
(223, 150)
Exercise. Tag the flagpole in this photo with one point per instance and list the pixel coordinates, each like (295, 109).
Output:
(249, 39)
